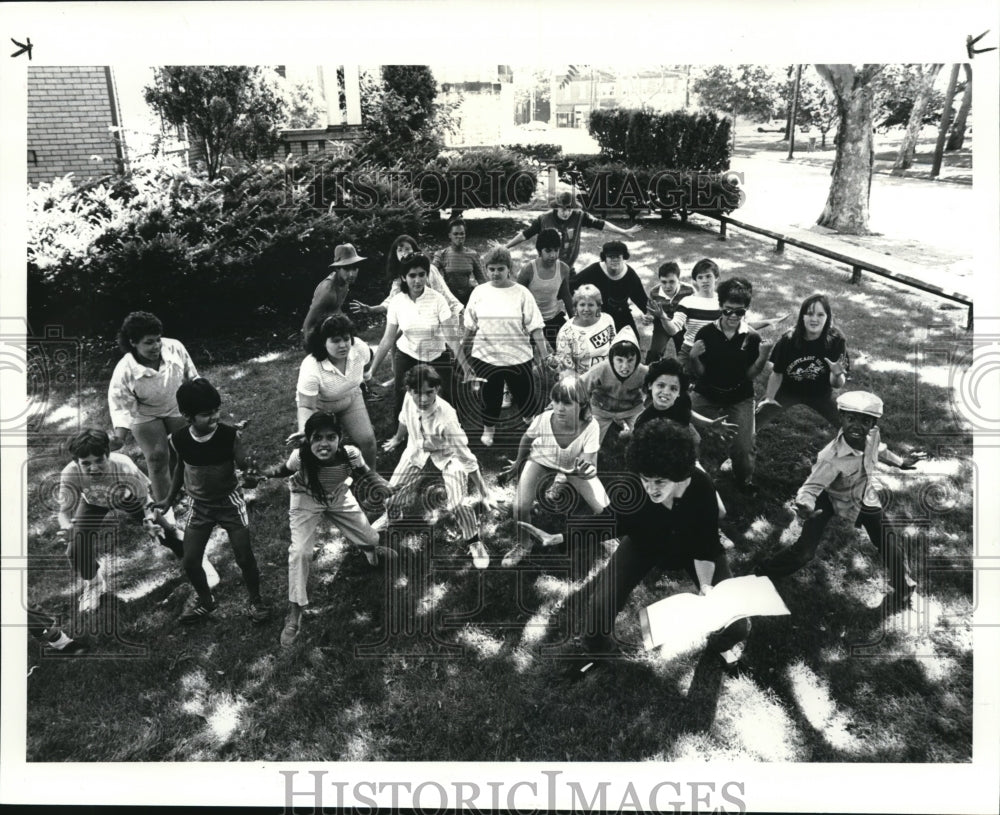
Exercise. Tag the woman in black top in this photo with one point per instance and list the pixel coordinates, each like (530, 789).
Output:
(807, 363)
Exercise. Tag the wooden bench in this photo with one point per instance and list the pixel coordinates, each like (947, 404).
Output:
(857, 264)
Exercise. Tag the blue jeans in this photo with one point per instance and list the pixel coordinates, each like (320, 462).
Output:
(743, 447)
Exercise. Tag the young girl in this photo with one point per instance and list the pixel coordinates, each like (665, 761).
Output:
(319, 483)
(433, 435)
(563, 441)
(667, 386)
(807, 364)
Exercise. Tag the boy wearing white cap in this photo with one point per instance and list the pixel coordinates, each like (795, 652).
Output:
(841, 484)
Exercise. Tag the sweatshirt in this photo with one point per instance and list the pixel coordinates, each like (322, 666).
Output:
(610, 392)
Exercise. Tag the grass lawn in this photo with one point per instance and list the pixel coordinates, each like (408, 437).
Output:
(430, 659)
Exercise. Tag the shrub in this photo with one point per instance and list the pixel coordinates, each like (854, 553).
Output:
(542, 152)
(488, 177)
(617, 188)
(159, 238)
(682, 141)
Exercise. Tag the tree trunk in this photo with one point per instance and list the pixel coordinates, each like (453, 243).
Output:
(846, 207)
(908, 148)
(957, 138)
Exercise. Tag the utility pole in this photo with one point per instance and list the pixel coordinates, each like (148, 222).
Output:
(795, 105)
(949, 96)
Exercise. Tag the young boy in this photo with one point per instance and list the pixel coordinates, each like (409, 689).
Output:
(457, 263)
(841, 484)
(615, 385)
(208, 453)
(663, 300)
(567, 220)
(434, 436)
(697, 310)
(97, 482)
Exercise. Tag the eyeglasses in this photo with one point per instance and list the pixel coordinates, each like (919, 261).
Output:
(734, 312)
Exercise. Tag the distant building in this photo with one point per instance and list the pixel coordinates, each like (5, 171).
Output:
(487, 102)
(660, 89)
(72, 124)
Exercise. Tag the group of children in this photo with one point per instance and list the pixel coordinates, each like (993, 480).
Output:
(558, 450)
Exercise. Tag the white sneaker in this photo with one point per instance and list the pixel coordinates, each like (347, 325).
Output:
(480, 557)
(487, 437)
(381, 522)
(90, 598)
(210, 573)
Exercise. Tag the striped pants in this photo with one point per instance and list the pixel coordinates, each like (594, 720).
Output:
(410, 481)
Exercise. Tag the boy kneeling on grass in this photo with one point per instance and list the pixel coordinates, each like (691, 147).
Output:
(434, 436)
(97, 482)
(208, 453)
(841, 484)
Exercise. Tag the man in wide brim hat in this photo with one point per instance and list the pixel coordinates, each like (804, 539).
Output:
(331, 293)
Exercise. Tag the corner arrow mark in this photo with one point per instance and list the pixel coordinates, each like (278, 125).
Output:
(24, 46)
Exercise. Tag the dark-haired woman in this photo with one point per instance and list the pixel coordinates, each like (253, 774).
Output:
(618, 284)
(142, 393)
(330, 380)
(807, 364)
(401, 249)
(419, 328)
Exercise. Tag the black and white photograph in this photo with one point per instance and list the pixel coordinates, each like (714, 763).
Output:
(447, 406)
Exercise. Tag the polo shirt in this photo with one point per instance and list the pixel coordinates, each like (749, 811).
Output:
(846, 475)
(138, 394)
(436, 434)
(422, 322)
(726, 361)
(325, 380)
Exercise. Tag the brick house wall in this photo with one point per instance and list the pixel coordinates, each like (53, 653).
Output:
(70, 109)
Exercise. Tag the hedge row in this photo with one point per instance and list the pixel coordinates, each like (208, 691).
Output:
(246, 248)
(679, 140)
(616, 188)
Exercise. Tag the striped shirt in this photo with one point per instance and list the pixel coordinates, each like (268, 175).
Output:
(694, 312)
(333, 475)
(457, 267)
(325, 381)
(423, 322)
(139, 394)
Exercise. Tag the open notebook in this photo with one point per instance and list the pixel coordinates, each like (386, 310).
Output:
(683, 620)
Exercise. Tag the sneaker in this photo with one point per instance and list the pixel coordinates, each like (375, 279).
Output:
(93, 589)
(258, 611)
(480, 557)
(210, 573)
(517, 554)
(196, 609)
(487, 437)
(293, 622)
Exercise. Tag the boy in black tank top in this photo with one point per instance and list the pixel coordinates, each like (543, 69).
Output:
(208, 453)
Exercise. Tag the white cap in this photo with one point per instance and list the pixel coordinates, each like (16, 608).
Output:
(860, 402)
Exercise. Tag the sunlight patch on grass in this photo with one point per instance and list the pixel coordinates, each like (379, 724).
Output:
(194, 686)
(141, 588)
(434, 595)
(750, 720)
(758, 531)
(225, 717)
(522, 659)
(360, 747)
(265, 358)
(551, 587)
(534, 630)
(812, 695)
(479, 641)
(239, 373)
(61, 418)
